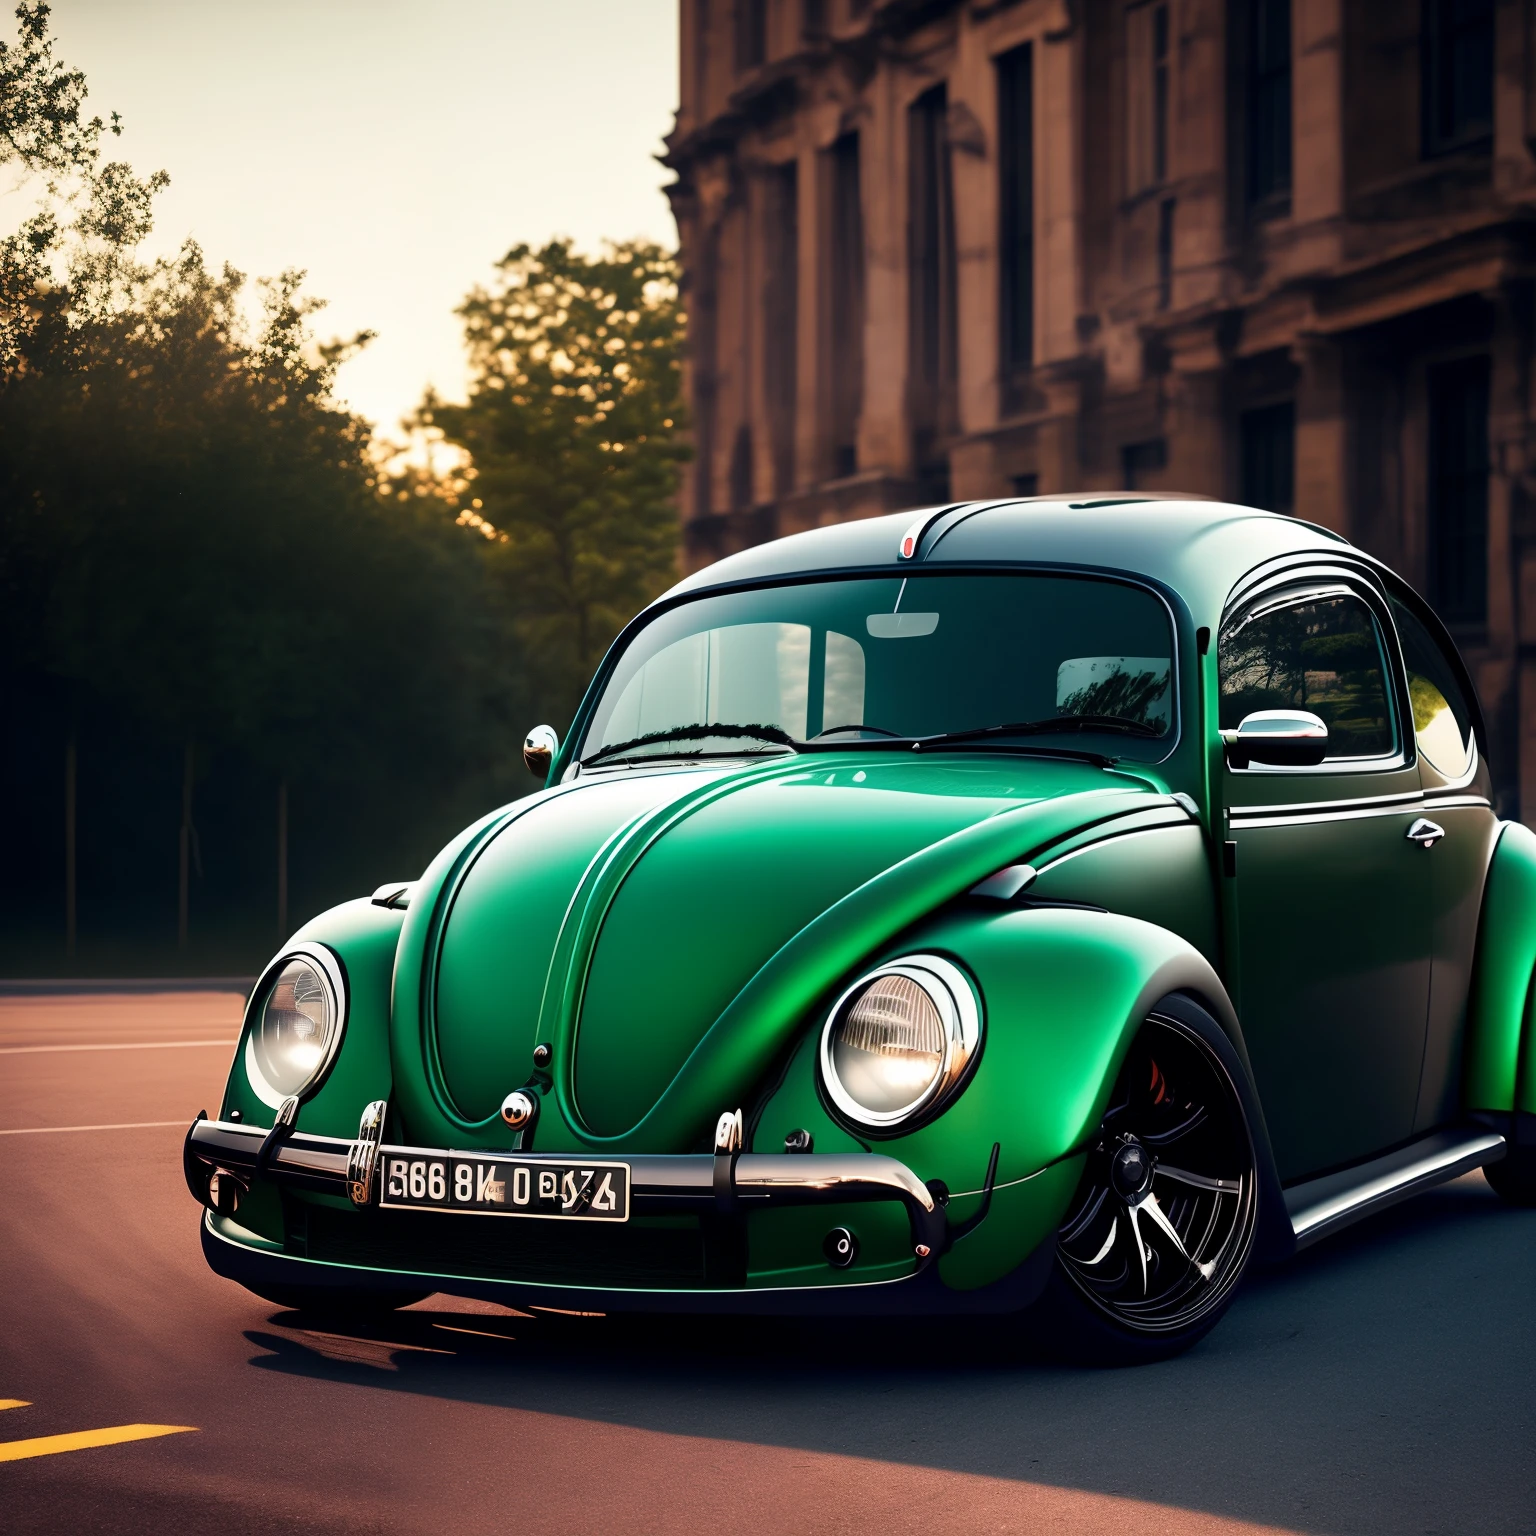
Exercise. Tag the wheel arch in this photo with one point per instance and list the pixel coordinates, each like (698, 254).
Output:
(1065, 992)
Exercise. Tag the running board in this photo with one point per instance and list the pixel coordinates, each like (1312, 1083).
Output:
(1322, 1206)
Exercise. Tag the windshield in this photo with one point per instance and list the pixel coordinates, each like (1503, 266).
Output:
(1063, 662)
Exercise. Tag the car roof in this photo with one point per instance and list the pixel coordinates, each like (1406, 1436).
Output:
(1196, 547)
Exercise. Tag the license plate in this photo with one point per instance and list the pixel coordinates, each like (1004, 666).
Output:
(504, 1186)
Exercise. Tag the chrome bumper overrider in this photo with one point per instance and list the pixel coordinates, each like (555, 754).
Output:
(220, 1158)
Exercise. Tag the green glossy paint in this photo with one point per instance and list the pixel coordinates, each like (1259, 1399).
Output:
(1501, 1030)
(678, 931)
(504, 924)
(1333, 944)
(730, 885)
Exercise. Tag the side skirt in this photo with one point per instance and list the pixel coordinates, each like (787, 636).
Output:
(1323, 1206)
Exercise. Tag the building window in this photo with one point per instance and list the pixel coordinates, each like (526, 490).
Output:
(813, 20)
(1267, 449)
(1159, 94)
(1458, 490)
(1140, 461)
(751, 33)
(1025, 485)
(843, 335)
(1165, 253)
(1269, 105)
(703, 351)
(740, 487)
(1148, 93)
(1458, 75)
(781, 249)
(931, 269)
(1016, 215)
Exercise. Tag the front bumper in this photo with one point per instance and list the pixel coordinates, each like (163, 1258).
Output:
(721, 1190)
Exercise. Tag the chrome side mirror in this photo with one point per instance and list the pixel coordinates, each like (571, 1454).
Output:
(539, 748)
(1288, 738)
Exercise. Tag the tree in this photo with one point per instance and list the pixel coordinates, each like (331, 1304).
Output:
(191, 530)
(89, 216)
(573, 432)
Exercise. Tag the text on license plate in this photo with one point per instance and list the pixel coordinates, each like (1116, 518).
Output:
(506, 1186)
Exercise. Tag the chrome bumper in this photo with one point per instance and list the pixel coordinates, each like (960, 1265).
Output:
(720, 1185)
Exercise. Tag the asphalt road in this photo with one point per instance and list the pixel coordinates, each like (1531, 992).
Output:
(1384, 1382)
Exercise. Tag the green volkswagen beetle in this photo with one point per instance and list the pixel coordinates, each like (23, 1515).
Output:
(1044, 906)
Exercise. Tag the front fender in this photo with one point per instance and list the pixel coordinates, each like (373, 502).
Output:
(1064, 992)
(1501, 1039)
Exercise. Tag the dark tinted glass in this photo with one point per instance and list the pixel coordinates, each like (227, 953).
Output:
(874, 659)
(1016, 207)
(1269, 99)
(1323, 655)
(1442, 720)
(1268, 439)
(1458, 58)
(1458, 490)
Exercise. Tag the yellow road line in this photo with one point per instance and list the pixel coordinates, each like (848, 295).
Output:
(126, 1125)
(13, 1402)
(84, 1439)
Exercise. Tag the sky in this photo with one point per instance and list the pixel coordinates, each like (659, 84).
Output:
(394, 151)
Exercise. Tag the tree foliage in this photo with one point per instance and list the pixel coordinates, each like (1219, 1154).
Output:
(573, 429)
(192, 535)
(196, 537)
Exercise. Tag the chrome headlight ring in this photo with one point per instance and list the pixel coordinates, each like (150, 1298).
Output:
(316, 971)
(899, 1041)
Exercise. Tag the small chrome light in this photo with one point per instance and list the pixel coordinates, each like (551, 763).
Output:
(518, 1109)
(898, 1041)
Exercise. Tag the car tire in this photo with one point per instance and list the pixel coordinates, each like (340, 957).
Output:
(1182, 1093)
(337, 1302)
(1513, 1177)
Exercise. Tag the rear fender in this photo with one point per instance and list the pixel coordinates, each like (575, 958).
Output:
(1501, 1038)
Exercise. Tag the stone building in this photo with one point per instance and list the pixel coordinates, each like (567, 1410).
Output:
(1279, 251)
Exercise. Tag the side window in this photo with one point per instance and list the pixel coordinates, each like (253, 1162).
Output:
(1442, 719)
(1322, 654)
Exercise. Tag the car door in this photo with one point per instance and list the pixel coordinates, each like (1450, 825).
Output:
(1329, 898)
(1455, 781)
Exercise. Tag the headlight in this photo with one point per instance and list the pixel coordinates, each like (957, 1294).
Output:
(899, 1040)
(297, 1025)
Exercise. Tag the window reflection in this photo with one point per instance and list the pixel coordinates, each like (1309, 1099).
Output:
(1323, 656)
(1442, 720)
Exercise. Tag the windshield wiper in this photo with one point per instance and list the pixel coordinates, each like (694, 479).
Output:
(768, 733)
(1066, 724)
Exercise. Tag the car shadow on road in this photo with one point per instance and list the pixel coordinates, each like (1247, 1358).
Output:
(1384, 1381)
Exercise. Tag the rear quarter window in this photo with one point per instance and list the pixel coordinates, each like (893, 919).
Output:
(1442, 717)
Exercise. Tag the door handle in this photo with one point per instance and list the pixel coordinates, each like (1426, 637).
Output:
(1425, 832)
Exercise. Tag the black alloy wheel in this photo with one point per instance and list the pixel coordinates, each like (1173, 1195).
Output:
(1164, 1219)
(1513, 1177)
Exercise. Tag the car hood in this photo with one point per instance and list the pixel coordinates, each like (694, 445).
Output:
(665, 930)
